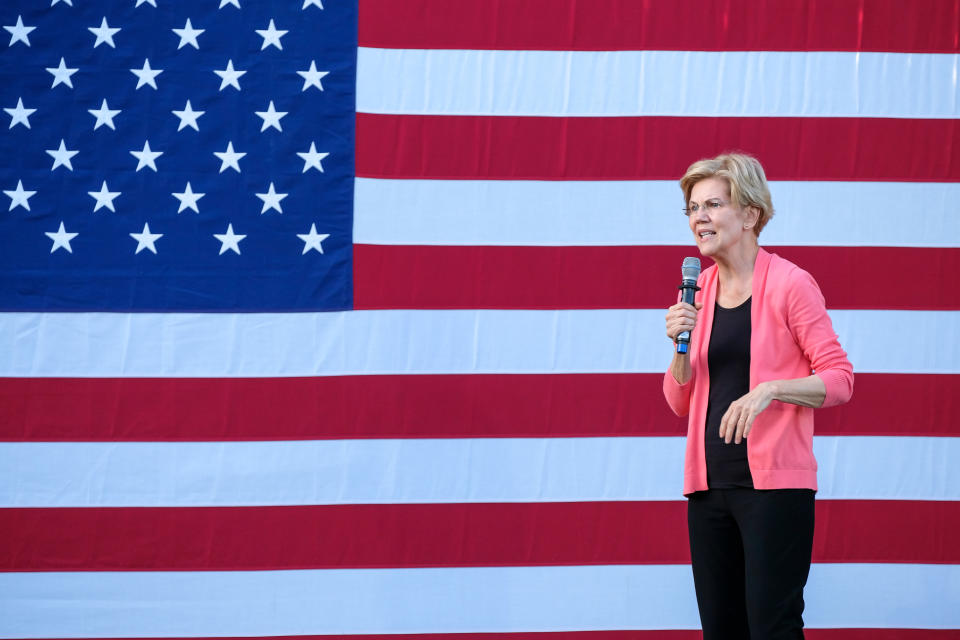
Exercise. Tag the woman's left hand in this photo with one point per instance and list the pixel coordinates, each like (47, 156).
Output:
(738, 420)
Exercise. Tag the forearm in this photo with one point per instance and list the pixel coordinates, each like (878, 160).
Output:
(680, 368)
(806, 392)
(738, 419)
(681, 317)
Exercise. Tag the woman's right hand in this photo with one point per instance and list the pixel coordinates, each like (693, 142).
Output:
(681, 317)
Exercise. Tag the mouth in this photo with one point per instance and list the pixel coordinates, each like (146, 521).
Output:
(705, 234)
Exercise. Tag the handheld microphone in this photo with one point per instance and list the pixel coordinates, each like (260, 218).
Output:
(688, 286)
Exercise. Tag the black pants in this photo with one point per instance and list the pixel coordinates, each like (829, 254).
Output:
(751, 556)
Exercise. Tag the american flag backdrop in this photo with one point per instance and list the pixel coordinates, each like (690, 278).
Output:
(334, 319)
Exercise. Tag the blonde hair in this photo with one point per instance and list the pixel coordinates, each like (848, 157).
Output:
(744, 176)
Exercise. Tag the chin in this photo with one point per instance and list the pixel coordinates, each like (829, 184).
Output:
(705, 251)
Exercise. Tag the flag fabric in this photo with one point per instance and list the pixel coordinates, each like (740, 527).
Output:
(334, 319)
(183, 135)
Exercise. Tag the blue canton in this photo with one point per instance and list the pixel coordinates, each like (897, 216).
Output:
(165, 155)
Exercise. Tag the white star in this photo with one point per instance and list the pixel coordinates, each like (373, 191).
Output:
(271, 117)
(312, 77)
(61, 74)
(229, 158)
(271, 36)
(188, 117)
(69, 2)
(146, 75)
(19, 197)
(140, 2)
(315, 3)
(224, 3)
(19, 115)
(104, 197)
(229, 76)
(313, 239)
(61, 238)
(145, 239)
(18, 32)
(271, 200)
(188, 35)
(147, 157)
(61, 157)
(104, 33)
(311, 159)
(229, 240)
(104, 115)
(188, 199)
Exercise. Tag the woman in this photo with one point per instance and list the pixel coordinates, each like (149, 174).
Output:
(763, 356)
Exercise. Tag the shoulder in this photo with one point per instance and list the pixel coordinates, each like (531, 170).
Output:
(792, 288)
(787, 288)
(783, 272)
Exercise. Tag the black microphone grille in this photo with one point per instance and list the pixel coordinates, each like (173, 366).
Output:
(690, 268)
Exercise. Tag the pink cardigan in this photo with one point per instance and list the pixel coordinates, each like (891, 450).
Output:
(791, 337)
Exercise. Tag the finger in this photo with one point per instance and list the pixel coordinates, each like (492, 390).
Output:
(723, 423)
(741, 425)
(678, 314)
(699, 305)
(743, 429)
(675, 327)
(684, 321)
(732, 416)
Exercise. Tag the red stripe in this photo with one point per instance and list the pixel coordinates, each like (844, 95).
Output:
(610, 25)
(639, 634)
(877, 531)
(619, 148)
(435, 535)
(628, 277)
(421, 406)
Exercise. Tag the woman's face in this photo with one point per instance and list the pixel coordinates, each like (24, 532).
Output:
(716, 222)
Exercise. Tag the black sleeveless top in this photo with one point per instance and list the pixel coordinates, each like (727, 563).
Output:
(728, 359)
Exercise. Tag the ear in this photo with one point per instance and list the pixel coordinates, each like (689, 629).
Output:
(752, 217)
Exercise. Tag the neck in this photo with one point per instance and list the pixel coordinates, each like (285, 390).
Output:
(735, 269)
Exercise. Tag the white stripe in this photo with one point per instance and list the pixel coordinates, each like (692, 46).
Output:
(494, 599)
(189, 474)
(417, 341)
(668, 83)
(887, 468)
(617, 212)
(904, 596)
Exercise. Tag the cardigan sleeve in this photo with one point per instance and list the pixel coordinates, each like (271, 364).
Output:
(677, 395)
(813, 331)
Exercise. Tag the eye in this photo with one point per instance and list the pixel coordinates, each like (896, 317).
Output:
(692, 208)
(714, 204)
